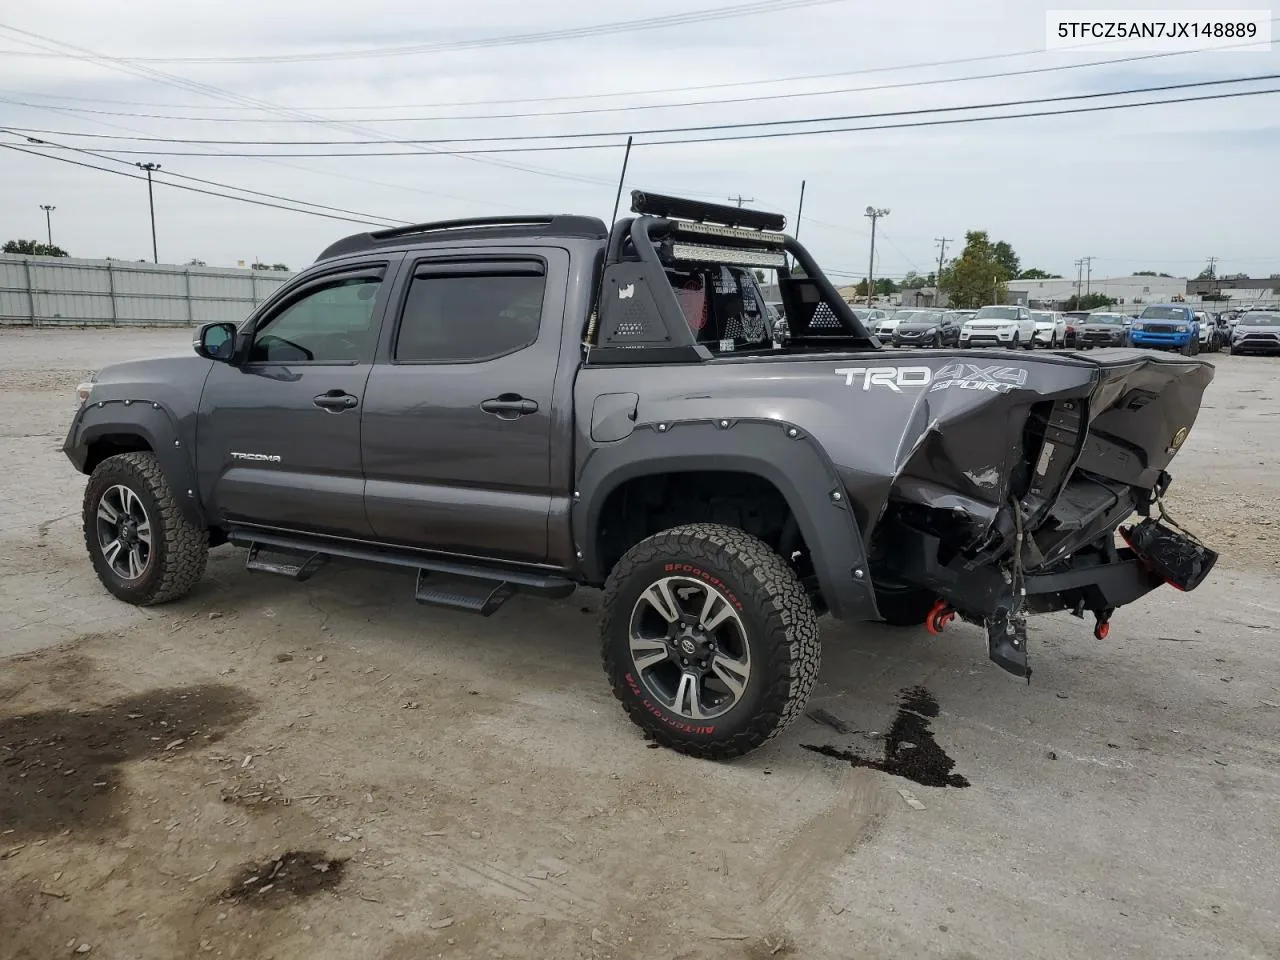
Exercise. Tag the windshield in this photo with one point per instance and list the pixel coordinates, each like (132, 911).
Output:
(997, 313)
(905, 316)
(918, 316)
(1166, 313)
(1040, 316)
(1107, 318)
(1261, 320)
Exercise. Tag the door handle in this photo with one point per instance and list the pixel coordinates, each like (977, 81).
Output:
(335, 401)
(509, 406)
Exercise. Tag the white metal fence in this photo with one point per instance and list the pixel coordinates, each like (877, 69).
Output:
(57, 291)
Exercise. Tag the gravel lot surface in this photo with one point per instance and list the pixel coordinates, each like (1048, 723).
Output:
(327, 770)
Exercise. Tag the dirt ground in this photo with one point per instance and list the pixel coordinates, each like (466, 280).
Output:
(327, 770)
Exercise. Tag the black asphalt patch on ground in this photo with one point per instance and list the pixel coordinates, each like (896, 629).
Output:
(59, 769)
(289, 876)
(910, 749)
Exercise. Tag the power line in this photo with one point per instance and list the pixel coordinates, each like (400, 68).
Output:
(663, 131)
(219, 93)
(569, 33)
(179, 186)
(575, 97)
(217, 183)
(1072, 111)
(626, 108)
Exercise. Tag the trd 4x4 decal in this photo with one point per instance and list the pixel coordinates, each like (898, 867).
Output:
(971, 376)
(964, 376)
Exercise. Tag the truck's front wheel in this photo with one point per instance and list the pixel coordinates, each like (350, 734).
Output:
(709, 640)
(143, 549)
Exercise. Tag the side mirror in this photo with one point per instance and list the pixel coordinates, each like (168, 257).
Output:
(216, 341)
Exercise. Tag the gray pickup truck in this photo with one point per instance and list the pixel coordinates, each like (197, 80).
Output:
(535, 404)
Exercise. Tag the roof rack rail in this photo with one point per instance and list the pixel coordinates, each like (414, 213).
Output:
(551, 224)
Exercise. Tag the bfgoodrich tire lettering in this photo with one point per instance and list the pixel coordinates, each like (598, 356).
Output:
(767, 599)
(177, 549)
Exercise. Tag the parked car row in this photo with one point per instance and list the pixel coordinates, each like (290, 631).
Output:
(1174, 326)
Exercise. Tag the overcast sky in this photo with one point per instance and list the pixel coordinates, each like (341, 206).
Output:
(1159, 188)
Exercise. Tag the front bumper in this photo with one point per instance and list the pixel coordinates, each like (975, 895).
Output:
(1141, 338)
(1045, 336)
(1260, 345)
(973, 338)
(912, 338)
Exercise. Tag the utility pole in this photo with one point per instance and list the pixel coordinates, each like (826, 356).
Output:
(151, 199)
(1079, 265)
(1088, 277)
(48, 221)
(1213, 272)
(741, 199)
(874, 214)
(942, 252)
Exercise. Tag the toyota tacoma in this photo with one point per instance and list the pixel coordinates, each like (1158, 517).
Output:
(534, 404)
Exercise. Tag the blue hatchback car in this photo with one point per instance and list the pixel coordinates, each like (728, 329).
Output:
(1167, 326)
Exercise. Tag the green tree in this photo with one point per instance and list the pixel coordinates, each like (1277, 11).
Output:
(1208, 273)
(885, 286)
(284, 269)
(1007, 258)
(913, 281)
(1035, 273)
(1089, 301)
(34, 248)
(977, 276)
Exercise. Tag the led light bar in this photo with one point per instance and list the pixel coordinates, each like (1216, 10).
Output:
(733, 233)
(728, 256)
(657, 205)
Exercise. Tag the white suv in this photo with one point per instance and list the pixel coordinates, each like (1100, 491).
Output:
(1005, 326)
(1051, 328)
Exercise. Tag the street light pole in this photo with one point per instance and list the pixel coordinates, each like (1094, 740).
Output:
(48, 221)
(874, 214)
(151, 200)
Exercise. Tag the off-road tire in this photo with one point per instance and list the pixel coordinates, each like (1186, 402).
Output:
(905, 607)
(179, 548)
(781, 628)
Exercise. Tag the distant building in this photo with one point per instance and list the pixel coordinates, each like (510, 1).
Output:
(1127, 291)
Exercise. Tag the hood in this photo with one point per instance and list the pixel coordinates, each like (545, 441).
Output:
(916, 326)
(1243, 327)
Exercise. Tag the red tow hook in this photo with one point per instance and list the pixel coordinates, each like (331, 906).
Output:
(1102, 629)
(939, 617)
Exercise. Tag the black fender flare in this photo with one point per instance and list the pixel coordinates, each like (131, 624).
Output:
(779, 452)
(154, 424)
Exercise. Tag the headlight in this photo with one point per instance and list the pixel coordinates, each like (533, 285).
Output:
(931, 331)
(1180, 328)
(1136, 326)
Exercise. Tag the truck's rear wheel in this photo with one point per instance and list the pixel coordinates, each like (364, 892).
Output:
(144, 550)
(709, 640)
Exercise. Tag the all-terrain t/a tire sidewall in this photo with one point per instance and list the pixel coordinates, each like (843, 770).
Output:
(179, 548)
(779, 621)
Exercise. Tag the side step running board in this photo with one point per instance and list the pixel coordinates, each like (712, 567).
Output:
(470, 595)
(297, 566)
(477, 587)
